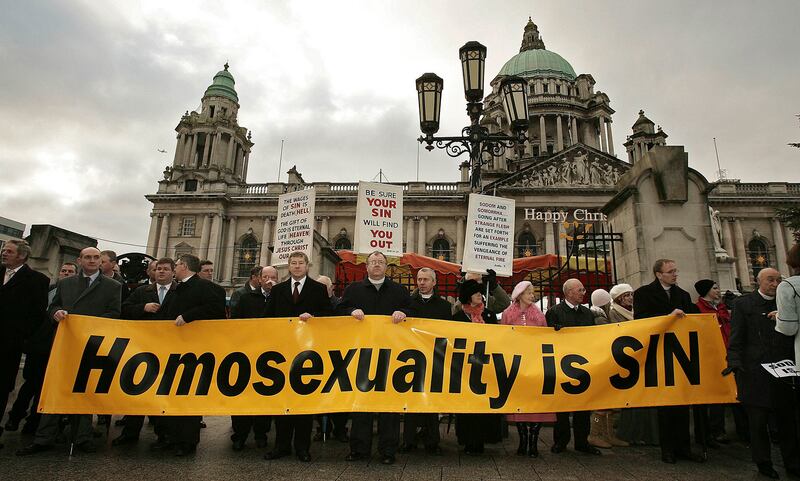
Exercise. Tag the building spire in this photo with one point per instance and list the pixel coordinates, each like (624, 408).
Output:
(531, 39)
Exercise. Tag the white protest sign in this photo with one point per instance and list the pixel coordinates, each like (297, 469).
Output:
(294, 228)
(379, 219)
(785, 368)
(489, 243)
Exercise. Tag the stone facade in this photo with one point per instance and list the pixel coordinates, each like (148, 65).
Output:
(205, 206)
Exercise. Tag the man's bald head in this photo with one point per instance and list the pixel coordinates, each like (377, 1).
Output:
(328, 284)
(269, 277)
(768, 280)
(89, 260)
(574, 291)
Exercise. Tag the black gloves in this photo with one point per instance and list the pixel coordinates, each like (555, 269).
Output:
(732, 369)
(557, 327)
(491, 279)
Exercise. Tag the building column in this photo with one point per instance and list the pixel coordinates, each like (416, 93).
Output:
(549, 244)
(229, 156)
(742, 262)
(244, 166)
(230, 245)
(215, 139)
(542, 136)
(780, 248)
(422, 235)
(562, 240)
(603, 141)
(179, 150)
(214, 243)
(559, 134)
(727, 238)
(152, 235)
(324, 229)
(205, 233)
(202, 161)
(163, 237)
(266, 237)
(460, 239)
(192, 150)
(610, 139)
(574, 127)
(409, 234)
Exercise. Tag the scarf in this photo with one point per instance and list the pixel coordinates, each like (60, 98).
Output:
(475, 313)
(627, 314)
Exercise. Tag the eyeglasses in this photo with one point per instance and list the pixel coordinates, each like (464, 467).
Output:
(377, 263)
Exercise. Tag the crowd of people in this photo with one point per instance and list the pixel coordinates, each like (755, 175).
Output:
(758, 328)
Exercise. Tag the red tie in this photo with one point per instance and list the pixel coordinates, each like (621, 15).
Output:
(296, 293)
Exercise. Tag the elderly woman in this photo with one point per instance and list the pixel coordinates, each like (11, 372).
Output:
(475, 429)
(636, 425)
(523, 312)
(621, 303)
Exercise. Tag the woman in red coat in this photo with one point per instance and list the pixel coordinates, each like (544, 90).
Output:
(523, 312)
(710, 302)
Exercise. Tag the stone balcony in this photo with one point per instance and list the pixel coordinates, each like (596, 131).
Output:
(273, 189)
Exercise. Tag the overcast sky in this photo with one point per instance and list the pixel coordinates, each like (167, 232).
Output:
(90, 90)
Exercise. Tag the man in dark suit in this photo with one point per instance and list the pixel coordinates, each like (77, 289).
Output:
(570, 312)
(253, 284)
(663, 297)
(375, 295)
(425, 303)
(90, 294)
(23, 304)
(148, 302)
(754, 342)
(37, 352)
(195, 299)
(109, 268)
(253, 305)
(302, 297)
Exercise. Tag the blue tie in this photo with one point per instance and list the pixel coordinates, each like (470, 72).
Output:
(162, 293)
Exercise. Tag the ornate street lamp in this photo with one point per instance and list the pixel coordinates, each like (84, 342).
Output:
(475, 139)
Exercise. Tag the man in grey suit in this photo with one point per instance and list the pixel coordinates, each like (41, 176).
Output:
(91, 294)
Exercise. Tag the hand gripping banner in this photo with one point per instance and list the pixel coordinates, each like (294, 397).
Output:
(339, 364)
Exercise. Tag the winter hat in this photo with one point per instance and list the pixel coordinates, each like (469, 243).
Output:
(703, 286)
(619, 290)
(519, 289)
(600, 297)
(467, 289)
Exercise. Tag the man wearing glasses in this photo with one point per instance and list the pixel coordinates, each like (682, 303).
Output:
(663, 297)
(375, 295)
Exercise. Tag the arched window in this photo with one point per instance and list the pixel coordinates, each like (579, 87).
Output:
(759, 255)
(246, 255)
(441, 249)
(526, 243)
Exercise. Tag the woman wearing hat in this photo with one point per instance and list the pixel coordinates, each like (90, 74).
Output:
(621, 303)
(710, 302)
(475, 429)
(636, 425)
(523, 312)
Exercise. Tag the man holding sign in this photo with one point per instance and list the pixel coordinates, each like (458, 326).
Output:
(377, 294)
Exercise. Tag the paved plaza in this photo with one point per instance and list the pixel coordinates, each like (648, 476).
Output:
(216, 460)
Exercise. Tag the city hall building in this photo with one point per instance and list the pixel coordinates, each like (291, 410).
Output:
(566, 177)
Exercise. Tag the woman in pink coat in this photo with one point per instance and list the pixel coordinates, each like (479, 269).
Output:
(523, 312)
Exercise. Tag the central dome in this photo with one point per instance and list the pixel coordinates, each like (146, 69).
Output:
(538, 63)
(223, 86)
(533, 60)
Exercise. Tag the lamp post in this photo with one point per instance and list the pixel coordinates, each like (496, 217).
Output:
(475, 139)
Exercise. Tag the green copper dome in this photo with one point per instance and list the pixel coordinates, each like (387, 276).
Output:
(533, 60)
(538, 63)
(223, 86)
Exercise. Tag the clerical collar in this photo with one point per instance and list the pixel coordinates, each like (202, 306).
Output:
(378, 282)
(426, 296)
(766, 297)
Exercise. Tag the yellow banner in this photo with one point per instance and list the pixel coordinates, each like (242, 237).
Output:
(339, 364)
